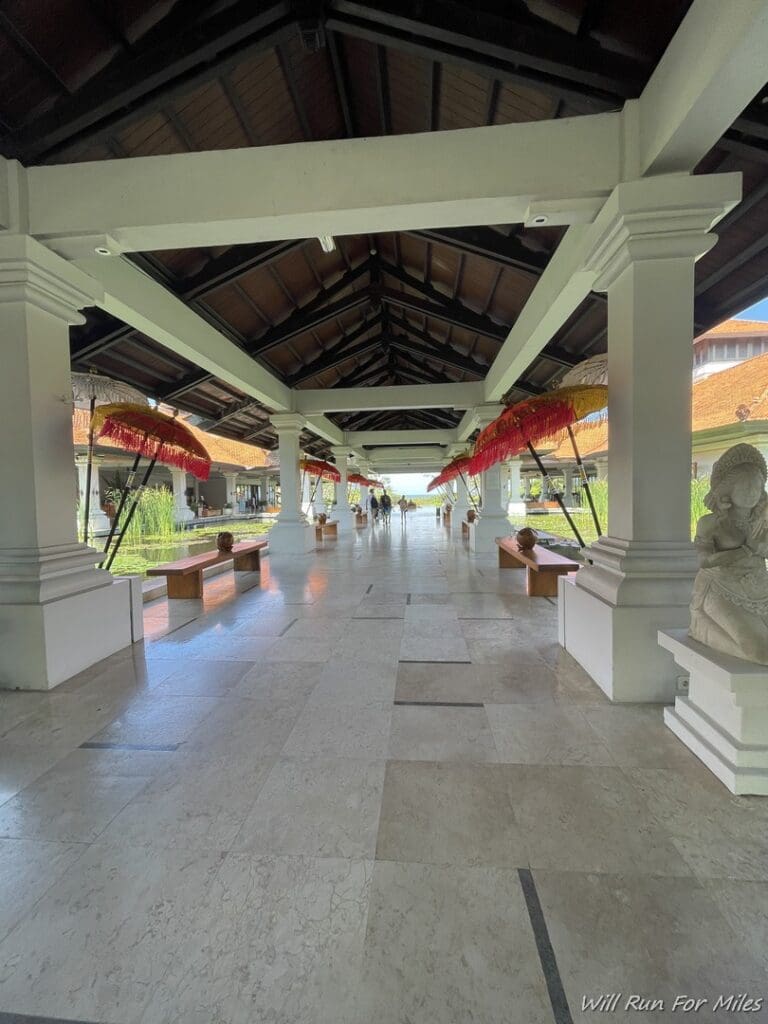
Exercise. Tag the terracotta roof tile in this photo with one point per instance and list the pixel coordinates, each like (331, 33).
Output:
(715, 401)
(222, 450)
(729, 327)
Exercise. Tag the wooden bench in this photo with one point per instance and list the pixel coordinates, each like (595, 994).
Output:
(542, 566)
(361, 519)
(185, 577)
(330, 528)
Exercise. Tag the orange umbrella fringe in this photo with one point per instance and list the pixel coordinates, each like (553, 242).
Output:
(317, 467)
(151, 433)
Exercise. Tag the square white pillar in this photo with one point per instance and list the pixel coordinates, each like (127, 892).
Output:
(58, 613)
(493, 521)
(182, 513)
(639, 576)
(343, 514)
(291, 534)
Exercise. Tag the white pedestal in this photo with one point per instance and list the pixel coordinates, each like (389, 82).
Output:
(485, 531)
(724, 718)
(45, 643)
(615, 643)
(291, 538)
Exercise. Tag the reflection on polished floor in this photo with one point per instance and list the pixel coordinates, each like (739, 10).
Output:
(373, 789)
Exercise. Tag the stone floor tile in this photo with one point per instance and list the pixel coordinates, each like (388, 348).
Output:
(320, 807)
(27, 869)
(441, 734)
(341, 731)
(656, 938)
(589, 819)
(450, 944)
(545, 734)
(448, 813)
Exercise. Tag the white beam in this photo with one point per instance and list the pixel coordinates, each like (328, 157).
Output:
(408, 396)
(558, 292)
(489, 175)
(324, 428)
(404, 460)
(136, 299)
(714, 66)
(356, 438)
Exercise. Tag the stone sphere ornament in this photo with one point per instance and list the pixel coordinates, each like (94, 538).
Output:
(526, 539)
(729, 611)
(225, 541)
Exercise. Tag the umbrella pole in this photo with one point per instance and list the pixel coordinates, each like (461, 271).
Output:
(129, 517)
(121, 505)
(558, 496)
(585, 482)
(88, 469)
(468, 492)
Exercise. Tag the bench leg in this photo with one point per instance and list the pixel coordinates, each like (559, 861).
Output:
(189, 586)
(541, 584)
(248, 563)
(507, 561)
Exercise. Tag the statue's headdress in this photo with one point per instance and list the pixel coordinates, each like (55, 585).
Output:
(738, 455)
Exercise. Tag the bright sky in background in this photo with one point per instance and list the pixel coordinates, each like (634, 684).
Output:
(409, 484)
(757, 312)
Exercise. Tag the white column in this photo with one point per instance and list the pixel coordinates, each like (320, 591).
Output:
(98, 521)
(601, 465)
(291, 534)
(342, 514)
(231, 485)
(493, 521)
(515, 486)
(182, 513)
(641, 573)
(527, 482)
(58, 612)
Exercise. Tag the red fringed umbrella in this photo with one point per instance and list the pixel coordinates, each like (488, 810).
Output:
(160, 438)
(319, 468)
(525, 424)
(149, 432)
(458, 467)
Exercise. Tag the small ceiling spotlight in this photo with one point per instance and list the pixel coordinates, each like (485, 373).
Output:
(327, 243)
(102, 250)
(539, 220)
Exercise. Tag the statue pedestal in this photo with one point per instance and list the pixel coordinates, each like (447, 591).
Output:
(724, 717)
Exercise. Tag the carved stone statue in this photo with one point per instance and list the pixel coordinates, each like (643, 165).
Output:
(729, 611)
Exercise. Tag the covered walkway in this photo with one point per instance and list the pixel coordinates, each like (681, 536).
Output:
(373, 789)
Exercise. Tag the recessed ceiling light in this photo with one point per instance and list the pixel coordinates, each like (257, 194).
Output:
(102, 250)
(539, 220)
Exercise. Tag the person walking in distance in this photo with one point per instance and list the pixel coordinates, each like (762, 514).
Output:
(373, 505)
(403, 506)
(386, 506)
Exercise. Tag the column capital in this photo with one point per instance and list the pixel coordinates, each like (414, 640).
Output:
(485, 414)
(340, 451)
(288, 422)
(668, 217)
(31, 273)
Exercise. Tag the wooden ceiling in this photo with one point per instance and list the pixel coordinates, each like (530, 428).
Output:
(108, 79)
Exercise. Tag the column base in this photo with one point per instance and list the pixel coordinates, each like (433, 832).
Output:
(616, 644)
(487, 529)
(291, 538)
(183, 515)
(46, 643)
(724, 717)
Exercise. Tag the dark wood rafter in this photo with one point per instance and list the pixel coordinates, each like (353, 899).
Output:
(181, 54)
(240, 112)
(443, 354)
(382, 90)
(527, 51)
(341, 78)
(302, 321)
(333, 358)
(491, 245)
(435, 87)
(296, 99)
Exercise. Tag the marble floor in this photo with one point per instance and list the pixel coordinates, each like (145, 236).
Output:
(372, 789)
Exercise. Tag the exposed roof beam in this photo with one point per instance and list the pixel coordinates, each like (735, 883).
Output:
(711, 70)
(440, 396)
(450, 312)
(180, 54)
(494, 48)
(446, 355)
(237, 105)
(298, 103)
(136, 299)
(382, 89)
(487, 176)
(489, 244)
(357, 438)
(301, 321)
(341, 77)
(335, 354)
(334, 358)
